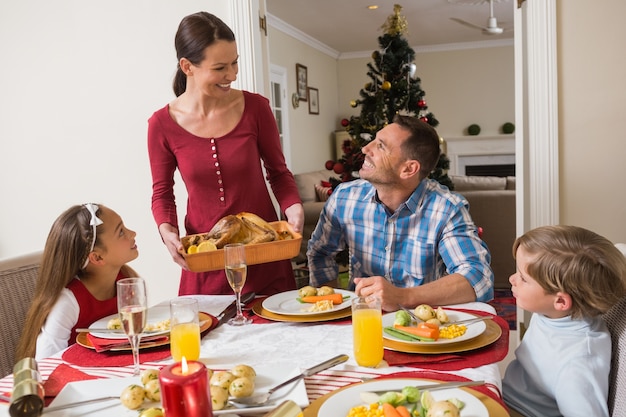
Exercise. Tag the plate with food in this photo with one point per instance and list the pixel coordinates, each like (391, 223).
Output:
(266, 377)
(157, 323)
(464, 402)
(399, 327)
(309, 301)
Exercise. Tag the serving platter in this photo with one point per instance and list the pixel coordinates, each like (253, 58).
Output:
(491, 334)
(267, 377)
(258, 309)
(207, 322)
(473, 330)
(286, 303)
(337, 403)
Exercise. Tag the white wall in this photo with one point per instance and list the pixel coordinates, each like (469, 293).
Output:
(312, 138)
(462, 87)
(79, 79)
(592, 143)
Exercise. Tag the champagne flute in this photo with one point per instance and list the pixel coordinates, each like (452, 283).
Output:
(132, 305)
(236, 271)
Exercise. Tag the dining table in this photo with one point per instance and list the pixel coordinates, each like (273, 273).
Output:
(276, 348)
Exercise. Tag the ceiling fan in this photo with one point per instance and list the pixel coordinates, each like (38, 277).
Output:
(492, 27)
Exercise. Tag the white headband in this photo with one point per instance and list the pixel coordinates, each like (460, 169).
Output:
(94, 222)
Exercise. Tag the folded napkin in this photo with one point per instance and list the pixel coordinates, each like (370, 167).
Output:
(82, 356)
(438, 376)
(103, 344)
(62, 375)
(492, 353)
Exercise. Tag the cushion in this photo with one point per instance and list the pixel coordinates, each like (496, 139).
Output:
(306, 183)
(322, 192)
(471, 182)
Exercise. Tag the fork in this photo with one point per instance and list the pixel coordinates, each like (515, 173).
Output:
(410, 313)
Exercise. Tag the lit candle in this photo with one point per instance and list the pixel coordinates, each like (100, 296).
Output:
(185, 390)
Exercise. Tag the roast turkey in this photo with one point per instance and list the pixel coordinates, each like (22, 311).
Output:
(244, 227)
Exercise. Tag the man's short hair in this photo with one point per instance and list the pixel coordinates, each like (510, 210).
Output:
(422, 144)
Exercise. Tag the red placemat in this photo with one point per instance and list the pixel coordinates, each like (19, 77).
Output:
(438, 376)
(492, 353)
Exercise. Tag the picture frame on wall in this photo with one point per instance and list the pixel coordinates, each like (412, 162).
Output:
(302, 80)
(314, 100)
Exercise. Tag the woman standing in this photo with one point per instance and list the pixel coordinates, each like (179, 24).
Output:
(216, 137)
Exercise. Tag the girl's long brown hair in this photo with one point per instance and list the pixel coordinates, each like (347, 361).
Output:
(65, 253)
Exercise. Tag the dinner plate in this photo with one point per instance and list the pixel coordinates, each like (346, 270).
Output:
(490, 335)
(473, 330)
(267, 377)
(338, 404)
(258, 309)
(494, 408)
(208, 321)
(156, 315)
(286, 303)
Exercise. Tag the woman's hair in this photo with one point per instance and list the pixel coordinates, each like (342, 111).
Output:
(68, 245)
(422, 144)
(195, 33)
(578, 262)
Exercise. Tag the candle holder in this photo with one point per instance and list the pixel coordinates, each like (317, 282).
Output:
(185, 390)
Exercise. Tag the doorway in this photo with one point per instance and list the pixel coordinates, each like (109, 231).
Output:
(280, 107)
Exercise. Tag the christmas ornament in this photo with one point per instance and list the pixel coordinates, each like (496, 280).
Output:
(344, 123)
(421, 103)
(330, 164)
(353, 103)
(412, 69)
(396, 23)
(386, 85)
(424, 119)
(338, 168)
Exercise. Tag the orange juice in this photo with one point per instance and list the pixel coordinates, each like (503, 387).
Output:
(185, 341)
(367, 327)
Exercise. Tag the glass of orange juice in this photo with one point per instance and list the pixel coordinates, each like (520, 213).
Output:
(184, 329)
(367, 328)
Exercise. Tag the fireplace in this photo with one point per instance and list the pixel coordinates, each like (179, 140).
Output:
(476, 155)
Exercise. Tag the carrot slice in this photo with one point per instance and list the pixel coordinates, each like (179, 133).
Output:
(423, 331)
(336, 298)
(403, 411)
(390, 411)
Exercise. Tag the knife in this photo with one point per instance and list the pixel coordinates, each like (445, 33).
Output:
(230, 311)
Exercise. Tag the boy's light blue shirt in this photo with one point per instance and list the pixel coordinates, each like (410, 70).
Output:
(561, 368)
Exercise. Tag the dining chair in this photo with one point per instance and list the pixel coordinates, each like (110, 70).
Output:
(17, 286)
(616, 321)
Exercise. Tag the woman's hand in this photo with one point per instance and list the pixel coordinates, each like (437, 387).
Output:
(169, 235)
(295, 216)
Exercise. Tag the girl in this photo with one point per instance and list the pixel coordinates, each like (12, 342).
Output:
(85, 254)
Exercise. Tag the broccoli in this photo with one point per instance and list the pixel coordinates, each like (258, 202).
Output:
(402, 318)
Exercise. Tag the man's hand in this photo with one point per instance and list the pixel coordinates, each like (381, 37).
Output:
(379, 287)
(169, 235)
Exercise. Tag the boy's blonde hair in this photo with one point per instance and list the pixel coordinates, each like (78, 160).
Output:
(578, 262)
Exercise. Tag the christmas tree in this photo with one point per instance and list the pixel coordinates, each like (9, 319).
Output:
(394, 88)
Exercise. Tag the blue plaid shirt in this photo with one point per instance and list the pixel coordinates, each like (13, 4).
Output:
(430, 235)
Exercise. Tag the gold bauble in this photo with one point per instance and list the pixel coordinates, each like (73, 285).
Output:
(386, 85)
(353, 103)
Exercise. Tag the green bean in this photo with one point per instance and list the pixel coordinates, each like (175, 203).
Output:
(400, 334)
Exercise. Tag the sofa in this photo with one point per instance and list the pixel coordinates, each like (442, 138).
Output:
(491, 201)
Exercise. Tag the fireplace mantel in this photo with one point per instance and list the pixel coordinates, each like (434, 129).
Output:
(479, 150)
